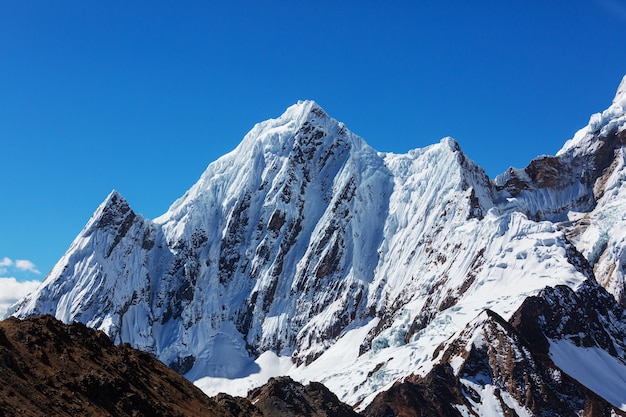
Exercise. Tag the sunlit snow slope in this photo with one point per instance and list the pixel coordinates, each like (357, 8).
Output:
(306, 252)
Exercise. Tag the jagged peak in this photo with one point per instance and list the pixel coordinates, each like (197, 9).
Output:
(272, 133)
(114, 198)
(306, 108)
(300, 131)
(293, 117)
(111, 212)
(115, 202)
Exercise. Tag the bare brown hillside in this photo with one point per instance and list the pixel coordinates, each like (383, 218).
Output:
(51, 369)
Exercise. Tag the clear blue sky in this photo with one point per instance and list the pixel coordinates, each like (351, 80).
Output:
(140, 96)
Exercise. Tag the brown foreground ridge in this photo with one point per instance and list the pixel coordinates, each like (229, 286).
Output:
(51, 369)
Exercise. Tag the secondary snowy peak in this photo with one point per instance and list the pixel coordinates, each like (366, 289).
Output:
(92, 282)
(582, 159)
(576, 179)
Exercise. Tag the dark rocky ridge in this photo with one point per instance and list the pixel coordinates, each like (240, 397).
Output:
(51, 369)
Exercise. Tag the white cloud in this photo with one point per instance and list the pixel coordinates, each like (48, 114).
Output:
(23, 265)
(12, 290)
(26, 265)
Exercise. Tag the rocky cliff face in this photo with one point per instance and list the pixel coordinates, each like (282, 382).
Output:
(305, 252)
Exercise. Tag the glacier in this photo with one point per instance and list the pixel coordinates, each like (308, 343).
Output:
(305, 252)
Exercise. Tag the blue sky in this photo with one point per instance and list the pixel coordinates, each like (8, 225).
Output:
(140, 96)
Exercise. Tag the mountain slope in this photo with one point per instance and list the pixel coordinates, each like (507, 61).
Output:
(524, 367)
(305, 252)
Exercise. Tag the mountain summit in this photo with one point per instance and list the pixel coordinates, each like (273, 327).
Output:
(305, 252)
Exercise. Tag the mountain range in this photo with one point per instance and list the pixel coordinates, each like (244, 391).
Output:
(305, 253)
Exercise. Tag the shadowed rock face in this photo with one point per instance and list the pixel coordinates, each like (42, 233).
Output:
(587, 317)
(433, 395)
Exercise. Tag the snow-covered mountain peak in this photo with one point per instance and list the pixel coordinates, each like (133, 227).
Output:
(306, 244)
(553, 187)
(113, 216)
(276, 135)
(304, 140)
(451, 143)
(303, 108)
(113, 197)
